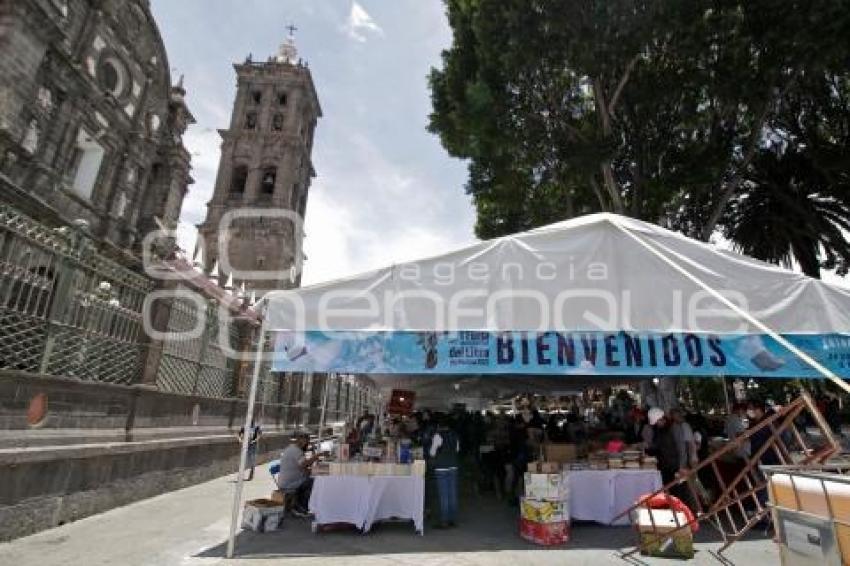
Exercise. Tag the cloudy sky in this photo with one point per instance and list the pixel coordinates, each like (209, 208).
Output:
(386, 191)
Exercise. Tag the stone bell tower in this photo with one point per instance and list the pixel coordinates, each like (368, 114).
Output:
(264, 174)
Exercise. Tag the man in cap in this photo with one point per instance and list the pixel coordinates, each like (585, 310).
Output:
(663, 445)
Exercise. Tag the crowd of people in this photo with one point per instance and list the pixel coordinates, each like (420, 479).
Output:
(490, 451)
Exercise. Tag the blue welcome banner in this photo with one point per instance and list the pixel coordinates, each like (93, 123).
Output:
(558, 353)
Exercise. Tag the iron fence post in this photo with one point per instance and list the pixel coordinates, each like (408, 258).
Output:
(209, 327)
(63, 291)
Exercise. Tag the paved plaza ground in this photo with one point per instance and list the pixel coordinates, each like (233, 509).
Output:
(189, 528)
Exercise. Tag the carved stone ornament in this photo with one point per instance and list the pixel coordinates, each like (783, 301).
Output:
(45, 99)
(30, 142)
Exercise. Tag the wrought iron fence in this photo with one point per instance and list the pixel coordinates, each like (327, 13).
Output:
(66, 309)
(197, 365)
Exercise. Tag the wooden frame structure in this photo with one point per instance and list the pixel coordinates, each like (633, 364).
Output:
(738, 505)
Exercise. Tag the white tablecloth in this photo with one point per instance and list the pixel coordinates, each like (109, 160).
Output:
(362, 500)
(601, 495)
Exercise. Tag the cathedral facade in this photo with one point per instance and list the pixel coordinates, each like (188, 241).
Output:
(264, 174)
(90, 124)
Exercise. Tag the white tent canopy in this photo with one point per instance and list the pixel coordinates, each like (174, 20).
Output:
(597, 295)
(577, 267)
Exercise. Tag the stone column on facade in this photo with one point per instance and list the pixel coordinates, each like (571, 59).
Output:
(63, 290)
(255, 172)
(87, 32)
(285, 176)
(238, 117)
(152, 348)
(224, 180)
(264, 109)
(293, 114)
(246, 342)
(57, 132)
(133, 144)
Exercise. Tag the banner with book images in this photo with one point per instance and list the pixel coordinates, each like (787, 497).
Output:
(558, 353)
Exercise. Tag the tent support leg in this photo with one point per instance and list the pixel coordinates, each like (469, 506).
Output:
(243, 456)
(737, 310)
(324, 405)
(726, 395)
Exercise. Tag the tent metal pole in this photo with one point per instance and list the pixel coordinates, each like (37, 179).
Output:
(738, 310)
(324, 405)
(237, 493)
(726, 395)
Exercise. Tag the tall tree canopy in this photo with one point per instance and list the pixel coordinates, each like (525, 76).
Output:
(673, 112)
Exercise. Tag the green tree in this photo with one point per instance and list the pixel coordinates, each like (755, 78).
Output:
(797, 201)
(658, 109)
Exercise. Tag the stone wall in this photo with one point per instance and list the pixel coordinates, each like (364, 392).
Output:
(45, 487)
(69, 449)
(77, 411)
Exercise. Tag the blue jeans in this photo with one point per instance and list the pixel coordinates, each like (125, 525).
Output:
(447, 493)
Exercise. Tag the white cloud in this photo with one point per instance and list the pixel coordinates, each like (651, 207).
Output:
(339, 244)
(366, 212)
(360, 23)
(203, 144)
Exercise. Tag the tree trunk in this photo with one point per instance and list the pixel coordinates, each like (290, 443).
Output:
(597, 190)
(608, 181)
(729, 189)
(611, 187)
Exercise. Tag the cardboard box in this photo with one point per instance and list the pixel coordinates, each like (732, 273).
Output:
(550, 467)
(560, 452)
(546, 534)
(278, 497)
(680, 545)
(546, 486)
(545, 510)
(262, 515)
(653, 540)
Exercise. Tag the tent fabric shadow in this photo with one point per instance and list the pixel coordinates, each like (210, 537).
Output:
(485, 525)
